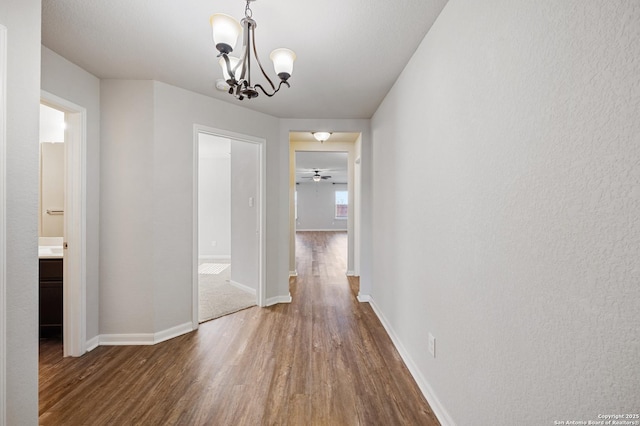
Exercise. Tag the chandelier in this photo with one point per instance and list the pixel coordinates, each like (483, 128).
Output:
(237, 70)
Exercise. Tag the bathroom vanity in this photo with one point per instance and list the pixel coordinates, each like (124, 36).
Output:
(50, 298)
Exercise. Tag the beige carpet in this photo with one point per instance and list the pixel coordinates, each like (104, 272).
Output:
(216, 296)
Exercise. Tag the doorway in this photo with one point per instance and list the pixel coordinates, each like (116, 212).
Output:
(70, 247)
(342, 196)
(228, 223)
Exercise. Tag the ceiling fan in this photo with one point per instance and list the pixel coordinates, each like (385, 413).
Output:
(317, 177)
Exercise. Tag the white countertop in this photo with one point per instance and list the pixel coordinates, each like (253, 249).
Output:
(50, 248)
(50, 252)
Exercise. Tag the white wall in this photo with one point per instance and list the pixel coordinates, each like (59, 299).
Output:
(506, 200)
(317, 206)
(52, 124)
(51, 189)
(70, 82)
(245, 256)
(22, 20)
(214, 197)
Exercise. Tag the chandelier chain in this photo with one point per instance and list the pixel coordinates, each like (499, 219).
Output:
(248, 13)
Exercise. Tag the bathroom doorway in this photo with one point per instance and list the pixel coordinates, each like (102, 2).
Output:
(62, 222)
(51, 222)
(228, 224)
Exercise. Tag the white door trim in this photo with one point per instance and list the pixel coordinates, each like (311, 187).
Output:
(197, 129)
(3, 215)
(75, 225)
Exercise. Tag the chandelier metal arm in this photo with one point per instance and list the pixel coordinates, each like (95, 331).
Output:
(231, 72)
(258, 86)
(255, 53)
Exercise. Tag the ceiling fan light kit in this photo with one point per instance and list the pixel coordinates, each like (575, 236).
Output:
(321, 136)
(317, 177)
(237, 70)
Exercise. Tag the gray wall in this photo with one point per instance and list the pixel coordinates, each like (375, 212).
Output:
(22, 19)
(317, 206)
(127, 207)
(506, 200)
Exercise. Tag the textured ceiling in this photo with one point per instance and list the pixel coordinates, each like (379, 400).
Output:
(349, 52)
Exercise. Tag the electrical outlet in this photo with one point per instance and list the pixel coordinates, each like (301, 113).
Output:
(432, 345)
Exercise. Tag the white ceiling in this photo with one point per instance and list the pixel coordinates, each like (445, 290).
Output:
(349, 53)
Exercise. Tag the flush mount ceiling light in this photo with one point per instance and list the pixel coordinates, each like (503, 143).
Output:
(321, 136)
(237, 70)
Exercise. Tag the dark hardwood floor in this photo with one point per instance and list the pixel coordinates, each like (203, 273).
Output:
(324, 359)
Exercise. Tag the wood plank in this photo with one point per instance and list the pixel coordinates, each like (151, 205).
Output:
(324, 359)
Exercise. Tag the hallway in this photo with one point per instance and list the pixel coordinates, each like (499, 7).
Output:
(324, 359)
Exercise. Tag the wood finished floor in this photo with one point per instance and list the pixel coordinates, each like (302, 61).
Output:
(324, 359)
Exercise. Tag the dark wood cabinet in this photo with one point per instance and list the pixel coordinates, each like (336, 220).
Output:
(50, 297)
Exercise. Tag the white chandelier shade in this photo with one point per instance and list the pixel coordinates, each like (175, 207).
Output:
(226, 31)
(283, 61)
(237, 70)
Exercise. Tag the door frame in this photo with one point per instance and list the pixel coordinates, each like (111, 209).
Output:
(354, 183)
(3, 224)
(260, 142)
(74, 322)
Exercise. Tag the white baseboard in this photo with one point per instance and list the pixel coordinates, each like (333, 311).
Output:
(351, 274)
(322, 230)
(293, 273)
(243, 287)
(278, 299)
(133, 339)
(435, 404)
(215, 257)
(140, 339)
(172, 332)
(364, 298)
(93, 343)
